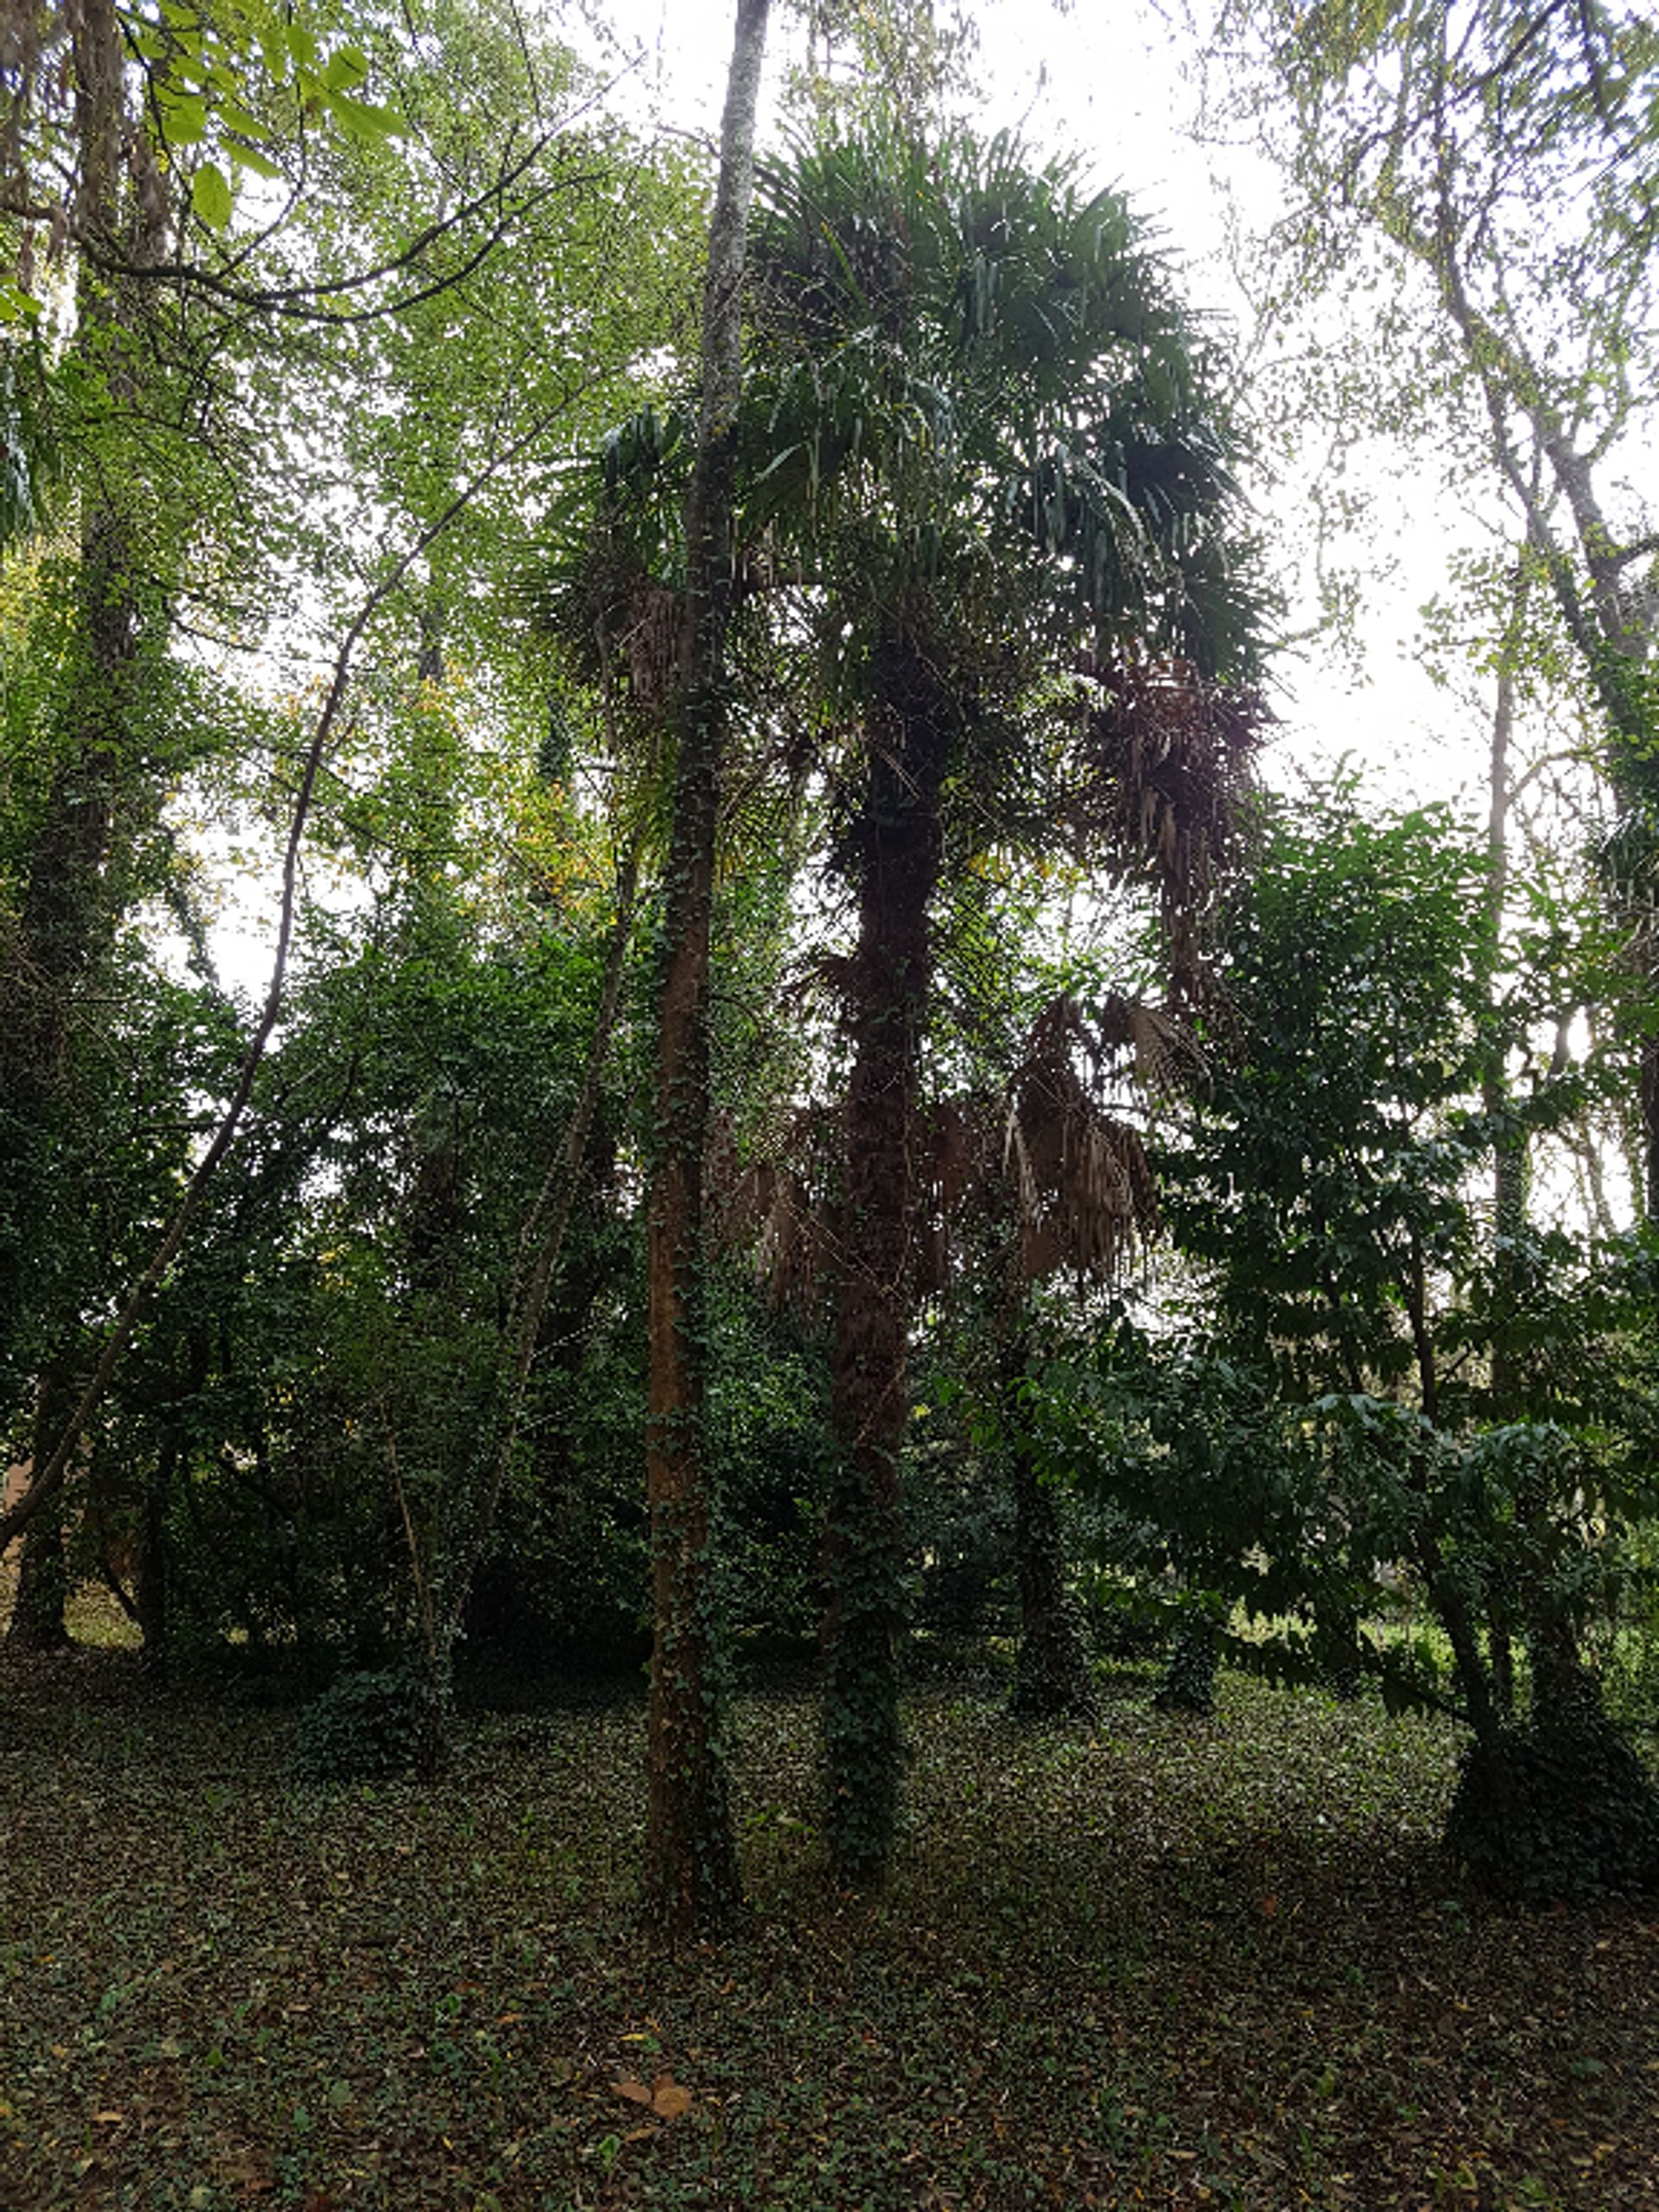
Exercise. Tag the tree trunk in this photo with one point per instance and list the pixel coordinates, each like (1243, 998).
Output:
(150, 1570)
(1189, 1683)
(1053, 1680)
(691, 1880)
(73, 892)
(37, 1623)
(896, 857)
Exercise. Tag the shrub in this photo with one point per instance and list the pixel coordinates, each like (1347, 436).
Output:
(368, 1726)
(1563, 1810)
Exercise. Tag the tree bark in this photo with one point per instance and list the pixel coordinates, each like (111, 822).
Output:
(1053, 1680)
(73, 894)
(896, 848)
(37, 1621)
(692, 1882)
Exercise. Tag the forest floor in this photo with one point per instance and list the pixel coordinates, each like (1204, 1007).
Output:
(1156, 1963)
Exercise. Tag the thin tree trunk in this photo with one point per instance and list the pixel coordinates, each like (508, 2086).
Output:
(1511, 1159)
(1511, 1166)
(37, 1623)
(897, 860)
(150, 1568)
(1053, 1678)
(691, 1881)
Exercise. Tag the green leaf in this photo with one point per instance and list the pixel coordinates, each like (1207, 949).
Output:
(211, 196)
(249, 157)
(363, 121)
(345, 70)
(184, 120)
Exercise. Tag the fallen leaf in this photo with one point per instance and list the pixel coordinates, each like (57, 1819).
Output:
(668, 2100)
(635, 2092)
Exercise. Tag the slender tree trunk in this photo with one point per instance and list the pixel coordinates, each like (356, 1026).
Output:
(1053, 1679)
(897, 843)
(37, 1623)
(691, 1880)
(150, 1568)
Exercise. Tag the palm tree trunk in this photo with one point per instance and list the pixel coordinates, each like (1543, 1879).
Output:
(896, 858)
(1052, 1680)
(691, 1880)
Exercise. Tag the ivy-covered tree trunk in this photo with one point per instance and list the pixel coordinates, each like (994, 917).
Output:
(1053, 1680)
(101, 781)
(37, 1621)
(1189, 1683)
(895, 860)
(37, 1614)
(691, 1881)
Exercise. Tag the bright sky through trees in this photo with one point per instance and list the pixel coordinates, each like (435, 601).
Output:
(1121, 84)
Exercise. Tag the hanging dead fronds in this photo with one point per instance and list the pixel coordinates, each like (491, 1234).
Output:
(775, 1201)
(1077, 1175)
(1168, 1058)
(1169, 759)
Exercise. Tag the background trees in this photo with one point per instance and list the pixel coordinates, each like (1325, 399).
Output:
(811, 840)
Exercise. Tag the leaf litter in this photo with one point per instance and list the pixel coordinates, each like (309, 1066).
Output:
(1161, 1963)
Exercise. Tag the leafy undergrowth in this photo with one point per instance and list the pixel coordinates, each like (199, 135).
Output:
(1163, 1964)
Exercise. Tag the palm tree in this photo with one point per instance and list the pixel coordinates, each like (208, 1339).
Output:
(987, 446)
(979, 471)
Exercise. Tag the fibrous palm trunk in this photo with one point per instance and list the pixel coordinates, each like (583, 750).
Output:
(896, 860)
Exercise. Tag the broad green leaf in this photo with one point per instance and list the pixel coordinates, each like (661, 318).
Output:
(210, 195)
(346, 69)
(184, 121)
(15, 304)
(365, 121)
(248, 157)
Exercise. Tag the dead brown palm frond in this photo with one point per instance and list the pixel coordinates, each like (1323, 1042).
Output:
(772, 1201)
(1168, 1058)
(793, 1254)
(1076, 1174)
(1168, 761)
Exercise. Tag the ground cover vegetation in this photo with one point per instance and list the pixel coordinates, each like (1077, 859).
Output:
(819, 1119)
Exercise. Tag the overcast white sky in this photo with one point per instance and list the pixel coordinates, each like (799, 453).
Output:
(1112, 80)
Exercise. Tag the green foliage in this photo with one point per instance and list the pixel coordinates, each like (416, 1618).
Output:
(368, 1726)
(1563, 1810)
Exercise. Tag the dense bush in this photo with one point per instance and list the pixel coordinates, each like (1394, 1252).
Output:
(369, 1727)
